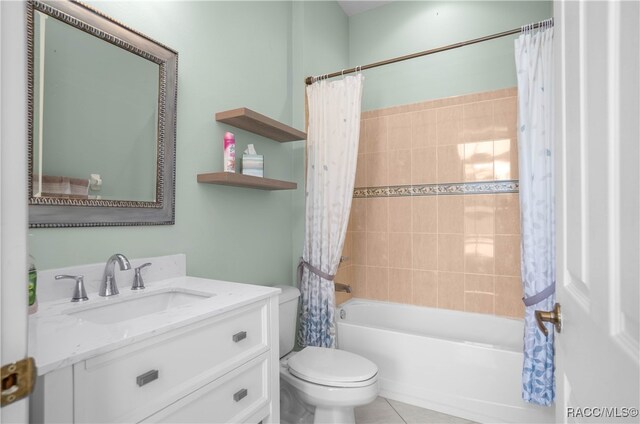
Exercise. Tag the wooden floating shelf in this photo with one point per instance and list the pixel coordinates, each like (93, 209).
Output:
(257, 123)
(249, 181)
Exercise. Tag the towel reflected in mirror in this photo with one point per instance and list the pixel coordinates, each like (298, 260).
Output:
(61, 187)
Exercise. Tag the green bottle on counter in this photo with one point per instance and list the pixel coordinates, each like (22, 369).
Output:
(33, 282)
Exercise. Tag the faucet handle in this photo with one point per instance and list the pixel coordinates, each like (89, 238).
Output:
(79, 293)
(138, 283)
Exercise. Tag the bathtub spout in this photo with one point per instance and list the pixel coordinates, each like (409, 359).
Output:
(343, 287)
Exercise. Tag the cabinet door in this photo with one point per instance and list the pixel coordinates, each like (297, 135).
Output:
(136, 381)
(233, 398)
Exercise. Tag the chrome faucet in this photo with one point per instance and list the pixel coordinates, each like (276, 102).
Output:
(108, 286)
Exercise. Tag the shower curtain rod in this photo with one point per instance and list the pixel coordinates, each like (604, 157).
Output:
(548, 22)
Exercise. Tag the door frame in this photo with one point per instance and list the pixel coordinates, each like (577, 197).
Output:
(13, 193)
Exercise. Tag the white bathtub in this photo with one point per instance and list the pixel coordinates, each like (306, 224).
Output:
(458, 363)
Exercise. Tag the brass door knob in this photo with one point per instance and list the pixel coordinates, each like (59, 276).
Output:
(554, 317)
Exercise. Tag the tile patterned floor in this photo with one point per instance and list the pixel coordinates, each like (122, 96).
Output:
(387, 411)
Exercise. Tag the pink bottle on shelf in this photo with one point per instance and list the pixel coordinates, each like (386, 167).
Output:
(229, 152)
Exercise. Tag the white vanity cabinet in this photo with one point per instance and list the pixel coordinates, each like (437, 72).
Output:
(239, 396)
(222, 369)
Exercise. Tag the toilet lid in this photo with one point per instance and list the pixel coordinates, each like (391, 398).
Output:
(332, 367)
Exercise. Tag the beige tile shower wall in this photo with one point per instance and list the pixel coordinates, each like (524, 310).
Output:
(448, 251)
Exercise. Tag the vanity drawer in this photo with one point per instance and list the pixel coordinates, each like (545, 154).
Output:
(230, 399)
(134, 382)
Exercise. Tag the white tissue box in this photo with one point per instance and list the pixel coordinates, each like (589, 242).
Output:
(253, 165)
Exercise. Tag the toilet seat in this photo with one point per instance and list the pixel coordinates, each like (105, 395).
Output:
(332, 367)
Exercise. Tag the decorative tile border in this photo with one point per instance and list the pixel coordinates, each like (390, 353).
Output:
(485, 187)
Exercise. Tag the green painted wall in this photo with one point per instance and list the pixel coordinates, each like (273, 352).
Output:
(406, 27)
(232, 54)
(256, 54)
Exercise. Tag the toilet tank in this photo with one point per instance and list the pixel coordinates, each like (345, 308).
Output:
(288, 315)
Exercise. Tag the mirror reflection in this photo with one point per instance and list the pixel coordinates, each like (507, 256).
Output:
(95, 121)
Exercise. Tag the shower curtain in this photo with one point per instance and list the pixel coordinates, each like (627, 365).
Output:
(332, 152)
(534, 65)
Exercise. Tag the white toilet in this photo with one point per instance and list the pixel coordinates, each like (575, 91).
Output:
(319, 385)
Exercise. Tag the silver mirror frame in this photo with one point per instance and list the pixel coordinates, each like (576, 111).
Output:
(58, 212)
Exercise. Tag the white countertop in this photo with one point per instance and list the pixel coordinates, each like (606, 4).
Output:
(57, 339)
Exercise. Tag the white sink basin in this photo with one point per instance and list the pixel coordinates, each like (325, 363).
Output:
(137, 305)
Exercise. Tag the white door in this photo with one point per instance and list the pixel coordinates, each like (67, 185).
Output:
(598, 191)
(13, 193)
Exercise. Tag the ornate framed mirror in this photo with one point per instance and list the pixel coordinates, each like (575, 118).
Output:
(102, 120)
